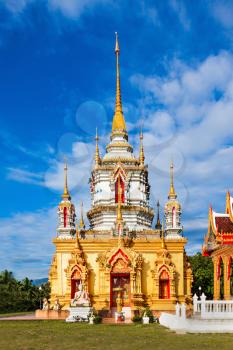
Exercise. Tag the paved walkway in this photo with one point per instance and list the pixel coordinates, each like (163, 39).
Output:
(20, 318)
(31, 317)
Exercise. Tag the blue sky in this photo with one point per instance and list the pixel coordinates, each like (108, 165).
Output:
(58, 83)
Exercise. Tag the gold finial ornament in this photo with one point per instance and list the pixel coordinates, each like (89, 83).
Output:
(158, 223)
(97, 154)
(141, 155)
(118, 123)
(66, 194)
(172, 193)
(81, 222)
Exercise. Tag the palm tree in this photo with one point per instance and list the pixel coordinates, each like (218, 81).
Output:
(6, 277)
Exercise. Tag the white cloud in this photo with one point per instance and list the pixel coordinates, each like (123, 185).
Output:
(69, 8)
(16, 6)
(200, 101)
(196, 109)
(223, 12)
(73, 8)
(179, 8)
(25, 176)
(26, 242)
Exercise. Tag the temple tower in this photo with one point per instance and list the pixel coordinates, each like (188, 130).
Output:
(120, 168)
(172, 210)
(66, 212)
(120, 248)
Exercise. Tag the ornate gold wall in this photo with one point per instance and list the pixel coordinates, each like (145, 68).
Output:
(93, 260)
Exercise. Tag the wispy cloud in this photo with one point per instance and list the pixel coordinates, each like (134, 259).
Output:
(69, 8)
(73, 8)
(16, 6)
(223, 12)
(187, 117)
(25, 176)
(30, 234)
(178, 6)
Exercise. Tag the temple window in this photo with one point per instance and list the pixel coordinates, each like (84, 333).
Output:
(65, 216)
(120, 182)
(173, 217)
(164, 285)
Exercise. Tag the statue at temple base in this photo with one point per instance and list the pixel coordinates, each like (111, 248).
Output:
(81, 297)
(45, 304)
(57, 306)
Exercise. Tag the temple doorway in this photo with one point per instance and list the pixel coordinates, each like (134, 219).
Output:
(164, 285)
(121, 280)
(75, 281)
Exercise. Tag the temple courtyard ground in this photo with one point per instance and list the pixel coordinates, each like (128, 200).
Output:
(56, 335)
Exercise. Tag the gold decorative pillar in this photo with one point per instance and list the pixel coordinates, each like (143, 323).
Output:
(227, 281)
(172, 283)
(189, 281)
(138, 283)
(216, 278)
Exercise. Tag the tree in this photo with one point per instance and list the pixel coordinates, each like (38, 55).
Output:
(20, 295)
(203, 275)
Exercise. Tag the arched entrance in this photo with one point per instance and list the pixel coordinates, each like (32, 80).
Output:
(75, 281)
(164, 285)
(120, 278)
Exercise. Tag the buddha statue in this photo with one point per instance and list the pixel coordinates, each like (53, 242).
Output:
(81, 297)
(45, 304)
(57, 305)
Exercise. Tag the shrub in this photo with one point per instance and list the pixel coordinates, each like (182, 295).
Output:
(97, 319)
(137, 318)
(148, 313)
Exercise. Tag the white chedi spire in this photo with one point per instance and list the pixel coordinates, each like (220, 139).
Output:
(172, 210)
(66, 212)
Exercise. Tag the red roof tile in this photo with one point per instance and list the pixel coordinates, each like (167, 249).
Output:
(224, 224)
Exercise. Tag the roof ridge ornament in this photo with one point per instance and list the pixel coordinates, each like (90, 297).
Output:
(81, 222)
(158, 225)
(66, 194)
(141, 154)
(172, 193)
(97, 153)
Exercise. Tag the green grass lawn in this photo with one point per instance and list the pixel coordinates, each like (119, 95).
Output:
(56, 335)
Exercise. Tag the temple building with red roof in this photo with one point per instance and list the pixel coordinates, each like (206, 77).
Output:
(218, 245)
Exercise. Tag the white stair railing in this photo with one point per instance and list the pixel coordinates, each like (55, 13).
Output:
(212, 309)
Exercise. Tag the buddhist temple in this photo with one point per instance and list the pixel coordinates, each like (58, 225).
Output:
(121, 247)
(218, 245)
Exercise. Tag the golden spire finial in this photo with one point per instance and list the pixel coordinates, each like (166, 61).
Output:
(172, 193)
(81, 222)
(118, 123)
(141, 155)
(97, 154)
(158, 223)
(66, 194)
(117, 49)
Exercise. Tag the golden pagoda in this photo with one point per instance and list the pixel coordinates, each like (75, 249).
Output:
(121, 247)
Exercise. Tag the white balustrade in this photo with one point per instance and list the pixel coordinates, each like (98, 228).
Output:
(212, 309)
